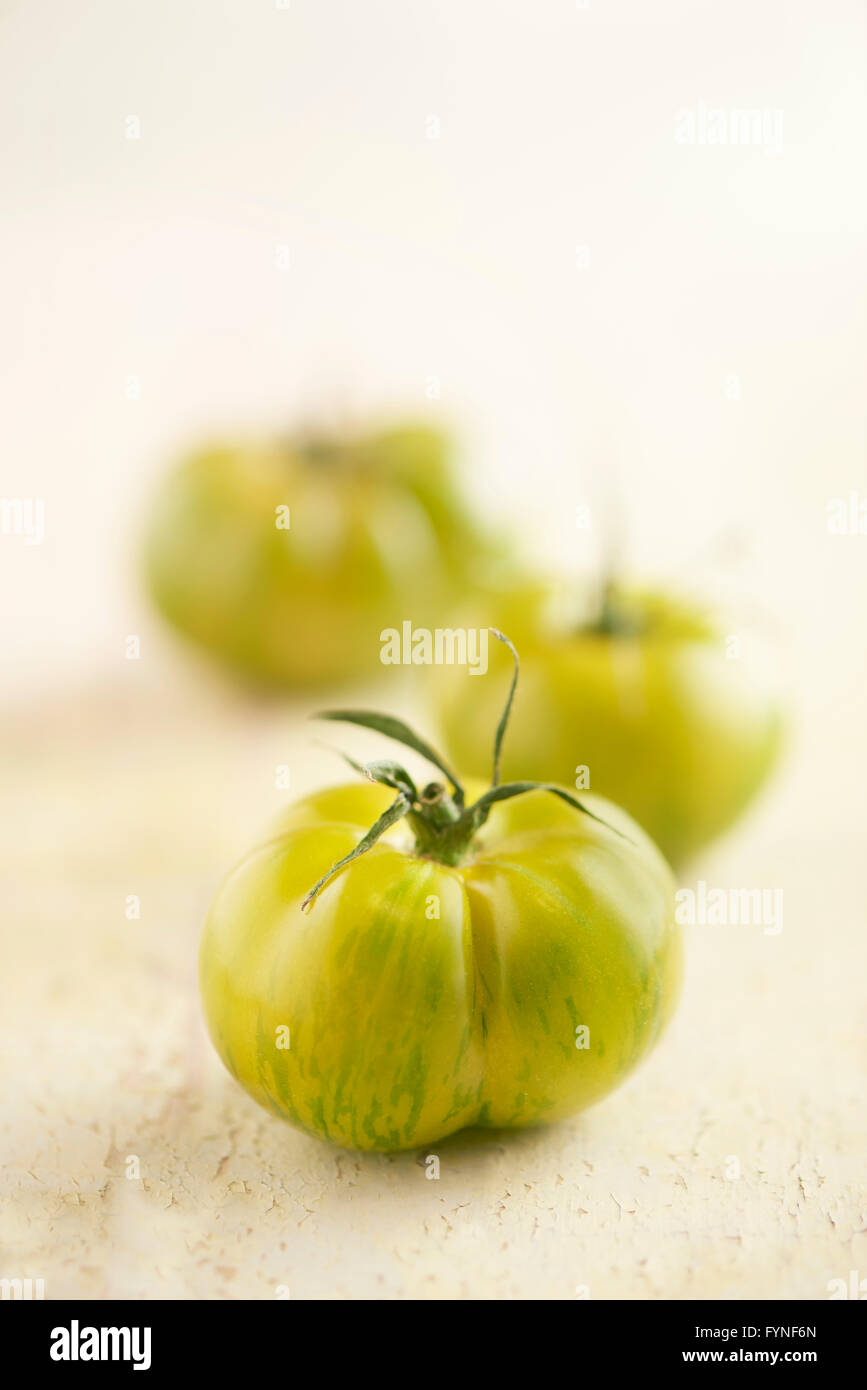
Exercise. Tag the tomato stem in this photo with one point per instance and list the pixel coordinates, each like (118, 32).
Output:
(444, 828)
(615, 618)
(504, 717)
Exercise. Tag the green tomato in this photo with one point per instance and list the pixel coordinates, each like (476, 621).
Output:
(287, 560)
(645, 705)
(505, 979)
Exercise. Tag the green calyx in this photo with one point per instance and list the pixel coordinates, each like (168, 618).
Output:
(616, 616)
(443, 825)
(630, 613)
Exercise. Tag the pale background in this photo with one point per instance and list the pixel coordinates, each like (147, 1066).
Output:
(412, 257)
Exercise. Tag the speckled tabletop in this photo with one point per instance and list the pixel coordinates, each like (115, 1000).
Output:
(729, 1166)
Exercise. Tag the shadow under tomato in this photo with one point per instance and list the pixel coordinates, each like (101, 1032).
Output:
(472, 1153)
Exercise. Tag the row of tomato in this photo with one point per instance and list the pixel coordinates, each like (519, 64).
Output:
(487, 958)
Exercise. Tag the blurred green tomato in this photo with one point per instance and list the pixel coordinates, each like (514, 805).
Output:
(287, 560)
(649, 705)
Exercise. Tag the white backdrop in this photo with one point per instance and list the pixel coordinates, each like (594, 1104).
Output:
(495, 195)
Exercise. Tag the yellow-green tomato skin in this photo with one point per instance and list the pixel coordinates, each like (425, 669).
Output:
(667, 726)
(418, 999)
(286, 565)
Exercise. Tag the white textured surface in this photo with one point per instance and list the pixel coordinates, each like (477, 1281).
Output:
(104, 1056)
